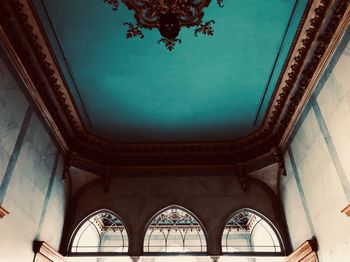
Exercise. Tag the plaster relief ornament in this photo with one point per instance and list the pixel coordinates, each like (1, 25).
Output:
(168, 16)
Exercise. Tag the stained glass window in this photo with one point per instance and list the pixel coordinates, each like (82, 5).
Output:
(175, 230)
(249, 232)
(101, 232)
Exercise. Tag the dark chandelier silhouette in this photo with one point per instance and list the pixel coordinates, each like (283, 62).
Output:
(168, 16)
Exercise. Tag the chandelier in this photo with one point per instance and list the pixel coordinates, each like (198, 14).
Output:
(168, 16)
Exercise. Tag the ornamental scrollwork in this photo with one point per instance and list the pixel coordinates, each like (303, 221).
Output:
(169, 43)
(220, 3)
(168, 16)
(133, 31)
(113, 3)
(205, 29)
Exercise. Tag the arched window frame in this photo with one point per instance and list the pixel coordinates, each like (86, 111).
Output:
(87, 219)
(203, 229)
(254, 253)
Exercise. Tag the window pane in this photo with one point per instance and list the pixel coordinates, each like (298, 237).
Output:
(103, 232)
(174, 230)
(249, 232)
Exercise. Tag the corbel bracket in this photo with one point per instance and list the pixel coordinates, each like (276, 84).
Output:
(276, 152)
(68, 162)
(107, 177)
(242, 176)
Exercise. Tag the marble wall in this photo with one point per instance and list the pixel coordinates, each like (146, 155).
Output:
(317, 186)
(31, 185)
(13, 107)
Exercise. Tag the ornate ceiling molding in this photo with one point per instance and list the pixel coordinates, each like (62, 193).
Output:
(23, 38)
(168, 17)
(323, 50)
(146, 11)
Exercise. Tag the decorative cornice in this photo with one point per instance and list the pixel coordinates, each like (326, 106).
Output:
(305, 253)
(300, 53)
(45, 253)
(327, 40)
(319, 32)
(18, 54)
(3, 212)
(346, 210)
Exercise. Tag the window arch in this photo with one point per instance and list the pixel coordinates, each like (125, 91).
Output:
(175, 230)
(102, 232)
(249, 232)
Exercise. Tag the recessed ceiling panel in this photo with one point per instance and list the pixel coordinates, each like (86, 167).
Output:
(209, 88)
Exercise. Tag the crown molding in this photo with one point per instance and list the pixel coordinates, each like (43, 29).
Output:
(328, 41)
(3, 212)
(30, 86)
(28, 48)
(169, 169)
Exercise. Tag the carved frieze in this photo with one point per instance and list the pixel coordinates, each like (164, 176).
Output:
(319, 39)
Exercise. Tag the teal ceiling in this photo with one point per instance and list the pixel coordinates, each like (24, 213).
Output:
(207, 89)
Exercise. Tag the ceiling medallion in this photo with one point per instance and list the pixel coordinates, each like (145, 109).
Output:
(168, 16)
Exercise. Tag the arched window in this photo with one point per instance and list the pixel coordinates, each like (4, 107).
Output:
(102, 232)
(247, 231)
(175, 230)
